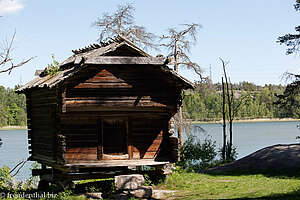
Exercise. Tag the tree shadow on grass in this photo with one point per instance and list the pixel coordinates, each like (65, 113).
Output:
(293, 173)
(295, 195)
(289, 196)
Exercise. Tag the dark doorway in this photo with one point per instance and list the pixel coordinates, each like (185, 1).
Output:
(114, 137)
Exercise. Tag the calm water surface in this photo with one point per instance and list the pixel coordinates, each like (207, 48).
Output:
(15, 149)
(247, 137)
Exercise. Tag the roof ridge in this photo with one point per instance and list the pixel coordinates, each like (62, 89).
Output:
(97, 46)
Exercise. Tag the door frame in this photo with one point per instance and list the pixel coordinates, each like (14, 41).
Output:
(100, 146)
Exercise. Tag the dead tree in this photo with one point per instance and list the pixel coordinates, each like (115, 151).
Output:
(6, 62)
(179, 44)
(122, 23)
(224, 121)
(233, 106)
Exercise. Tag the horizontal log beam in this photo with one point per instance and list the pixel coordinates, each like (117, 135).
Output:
(120, 60)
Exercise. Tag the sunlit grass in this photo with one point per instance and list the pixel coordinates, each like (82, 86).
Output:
(205, 186)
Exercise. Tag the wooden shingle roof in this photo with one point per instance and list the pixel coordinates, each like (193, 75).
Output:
(103, 53)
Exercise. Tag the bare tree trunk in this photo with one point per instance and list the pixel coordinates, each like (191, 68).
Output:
(224, 123)
(230, 139)
(176, 55)
(230, 115)
(180, 128)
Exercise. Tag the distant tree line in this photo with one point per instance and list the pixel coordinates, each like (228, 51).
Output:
(12, 108)
(205, 102)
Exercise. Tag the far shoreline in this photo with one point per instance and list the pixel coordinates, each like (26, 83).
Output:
(249, 120)
(4, 128)
(193, 122)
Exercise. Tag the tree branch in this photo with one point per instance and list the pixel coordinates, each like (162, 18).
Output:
(5, 58)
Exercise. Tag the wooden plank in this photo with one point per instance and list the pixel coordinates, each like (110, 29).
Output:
(63, 98)
(115, 157)
(158, 93)
(152, 148)
(117, 163)
(138, 114)
(91, 150)
(124, 60)
(101, 98)
(29, 111)
(42, 159)
(81, 156)
(82, 140)
(80, 135)
(142, 137)
(43, 93)
(100, 139)
(118, 107)
(81, 127)
(41, 139)
(109, 79)
(129, 138)
(88, 102)
(123, 105)
(103, 85)
(147, 155)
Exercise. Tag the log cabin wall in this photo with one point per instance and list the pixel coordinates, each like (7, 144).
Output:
(141, 96)
(80, 130)
(41, 107)
(149, 137)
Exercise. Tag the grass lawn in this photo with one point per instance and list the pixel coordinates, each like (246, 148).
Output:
(232, 186)
(236, 185)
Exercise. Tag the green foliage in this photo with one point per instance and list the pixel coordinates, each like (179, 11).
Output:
(6, 181)
(233, 155)
(8, 184)
(196, 154)
(148, 181)
(205, 103)
(292, 41)
(32, 181)
(12, 107)
(64, 194)
(52, 68)
(106, 186)
(289, 100)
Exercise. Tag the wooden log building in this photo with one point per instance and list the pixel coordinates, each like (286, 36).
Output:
(108, 107)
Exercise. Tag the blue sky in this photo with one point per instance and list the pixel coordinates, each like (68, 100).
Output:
(242, 32)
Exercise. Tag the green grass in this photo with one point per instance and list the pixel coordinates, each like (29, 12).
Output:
(262, 184)
(233, 186)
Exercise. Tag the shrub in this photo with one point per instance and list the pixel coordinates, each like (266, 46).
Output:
(6, 181)
(196, 154)
(233, 154)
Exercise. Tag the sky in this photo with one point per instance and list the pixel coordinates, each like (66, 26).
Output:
(242, 32)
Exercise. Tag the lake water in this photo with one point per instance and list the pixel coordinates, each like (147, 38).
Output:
(247, 137)
(14, 150)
